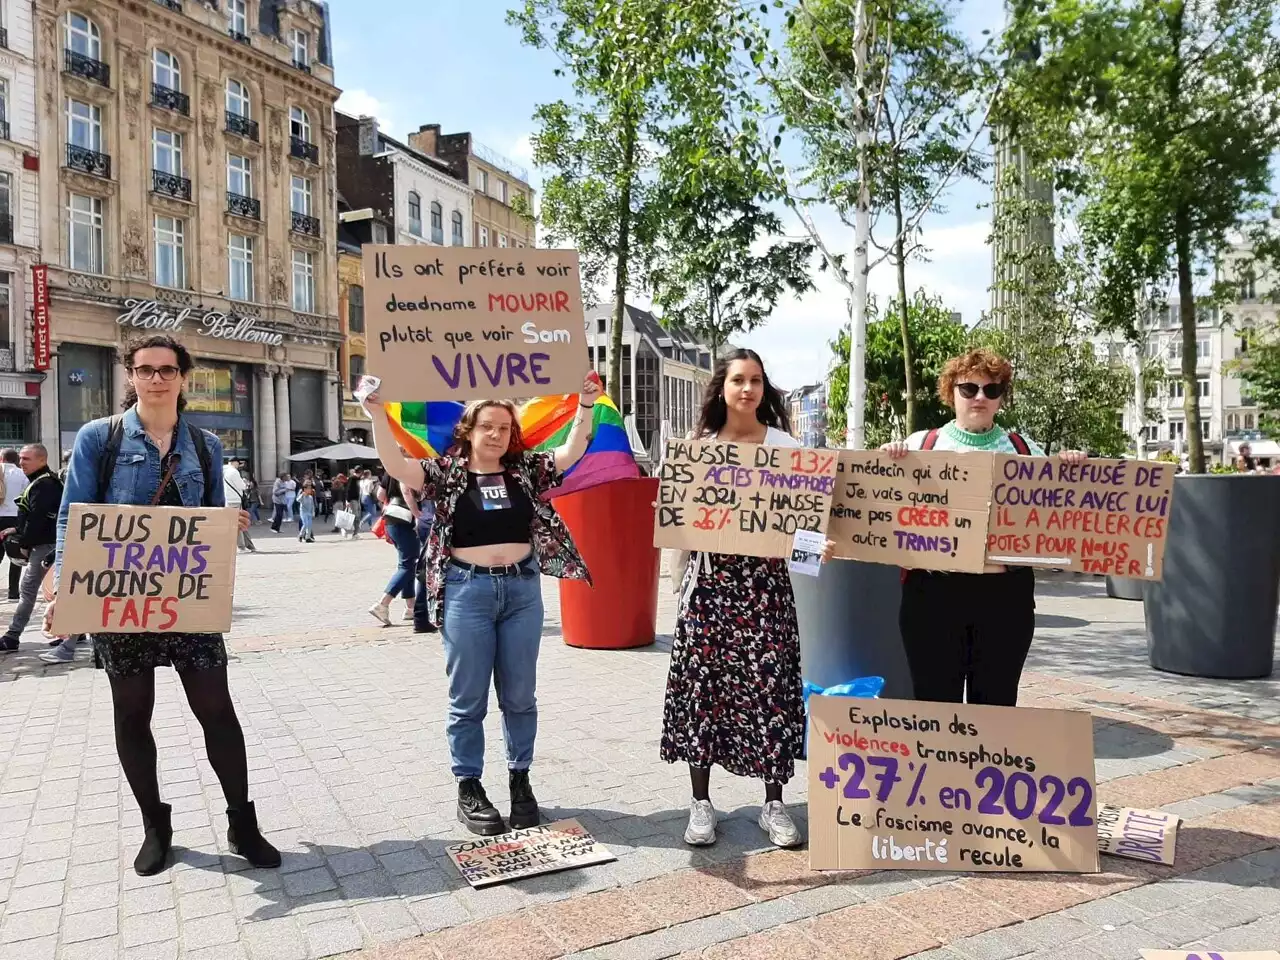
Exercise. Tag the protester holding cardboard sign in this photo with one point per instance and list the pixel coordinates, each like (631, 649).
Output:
(154, 455)
(967, 634)
(734, 688)
(494, 533)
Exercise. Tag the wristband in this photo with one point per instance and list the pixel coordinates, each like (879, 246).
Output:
(586, 406)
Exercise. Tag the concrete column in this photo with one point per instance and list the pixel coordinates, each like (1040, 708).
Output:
(118, 386)
(283, 430)
(264, 429)
(49, 430)
(332, 415)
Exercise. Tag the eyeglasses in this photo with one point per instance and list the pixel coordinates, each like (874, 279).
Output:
(148, 373)
(992, 391)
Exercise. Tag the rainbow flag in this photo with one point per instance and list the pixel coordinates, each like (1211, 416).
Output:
(426, 430)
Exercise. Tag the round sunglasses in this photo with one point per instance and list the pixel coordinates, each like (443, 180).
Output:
(992, 391)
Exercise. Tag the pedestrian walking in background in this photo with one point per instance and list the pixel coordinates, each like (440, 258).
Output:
(734, 690)
(34, 537)
(154, 455)
(279, 501)
(236, 492)
(369, 506)
(255, 498)
(493, 535)
(402, 532)
(307, 513)
(14, 482)
(967, 635)
(290, 497)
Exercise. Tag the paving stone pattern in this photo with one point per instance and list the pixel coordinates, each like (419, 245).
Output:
(344, 722)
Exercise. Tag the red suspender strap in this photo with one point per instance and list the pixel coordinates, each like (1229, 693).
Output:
(1019, 444)
(930, 440)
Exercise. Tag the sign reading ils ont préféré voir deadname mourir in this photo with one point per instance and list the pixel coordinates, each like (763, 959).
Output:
(457, 323)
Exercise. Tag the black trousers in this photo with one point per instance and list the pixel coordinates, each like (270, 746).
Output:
(15, 571)
(967, 634)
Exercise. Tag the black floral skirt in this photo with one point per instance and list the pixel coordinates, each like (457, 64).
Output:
(734, 688)
(130, 654)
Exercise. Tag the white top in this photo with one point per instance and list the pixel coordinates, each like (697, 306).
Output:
(233, 485)
(15, 481)
(773, 437)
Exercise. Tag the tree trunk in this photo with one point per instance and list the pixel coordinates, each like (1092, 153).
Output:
(1187, 315)
(855, 427)
(621, 276)
(900, 255)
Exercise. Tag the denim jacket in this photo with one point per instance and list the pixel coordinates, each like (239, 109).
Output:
(137, 472)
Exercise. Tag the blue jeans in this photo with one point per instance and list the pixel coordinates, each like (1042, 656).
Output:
(406, 541)
(492, 629)
(370, 512)
(305, 521)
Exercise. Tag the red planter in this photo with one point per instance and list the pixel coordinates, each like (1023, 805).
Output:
(612, 525)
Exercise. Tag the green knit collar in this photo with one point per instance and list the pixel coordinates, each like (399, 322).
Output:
(978, 441)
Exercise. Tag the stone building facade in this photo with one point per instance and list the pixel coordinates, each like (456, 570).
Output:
(189, 186)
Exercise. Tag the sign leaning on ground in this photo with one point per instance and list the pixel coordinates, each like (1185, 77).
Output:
(907, 785)
(741, 498)
(1211, 955)
(147, 570)
(927, 510)
(564, 845)
(1149, 835)
(1098, 517)
(457, 323)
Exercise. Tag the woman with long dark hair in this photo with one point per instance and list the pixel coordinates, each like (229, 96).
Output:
(154, 455)
(493, 535)
(734, 687)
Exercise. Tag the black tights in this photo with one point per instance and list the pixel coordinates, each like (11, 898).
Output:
(132, 700)
(700, 781)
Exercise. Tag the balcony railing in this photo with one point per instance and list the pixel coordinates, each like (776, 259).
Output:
(170, 99)
(243, 206)
(170, 185)
(77, 64)
(302, 223)
(302, 65)
(6, 229)
(88, 161)
(174, 5)
(4, 37)
(304, 151)
(242, 126)
(4, 130)
(238, 37)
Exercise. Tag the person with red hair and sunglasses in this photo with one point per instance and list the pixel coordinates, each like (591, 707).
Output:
(967, 635)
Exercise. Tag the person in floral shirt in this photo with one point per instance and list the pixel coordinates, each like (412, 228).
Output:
(494, 533)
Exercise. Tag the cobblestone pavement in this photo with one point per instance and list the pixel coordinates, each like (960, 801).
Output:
(344, 724)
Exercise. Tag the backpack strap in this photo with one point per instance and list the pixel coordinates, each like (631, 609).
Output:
(107, 464)
(206, 463)
(930, 440)
(1019, 444)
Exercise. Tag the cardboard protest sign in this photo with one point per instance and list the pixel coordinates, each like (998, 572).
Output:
(914, 785)
(1100, 516)
(741, 498)
(563, 845)
(1149, 835)
(147, 570)
(1211, 955)
(927, 510)
(456, 323)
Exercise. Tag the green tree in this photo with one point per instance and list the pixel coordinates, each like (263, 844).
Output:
(1162, 118)
(1261, 371)
(937, 337)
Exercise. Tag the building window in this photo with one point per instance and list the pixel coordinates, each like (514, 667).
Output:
(84, 125)
(1202, 350)
(300, 42)
(6, 208)
(482, 181)
(299, 124)
(240, 259)
(356, 365)
(5, 133)
(1202, 386)
(437, 222)
(300, 196)
(238, 18)
(84, 234)
(379, 233)
(1233, 422)
(1248, 421)
(456, 220)
(239, 175)
(165, 70)
(415, 214)
(502, 190)
(1204, 429)
(304, 282)
(82, 36)
(238, 101)
(355, 309)
(484, 236)
(166, 151)
(1176, 430)
(502, 239)
(171, 259)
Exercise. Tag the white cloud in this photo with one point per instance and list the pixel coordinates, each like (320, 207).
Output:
(361, 103)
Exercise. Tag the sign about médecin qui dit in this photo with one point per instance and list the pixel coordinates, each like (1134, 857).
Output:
(913, 785)
(457, 323)
(147, 570)
(1100, 516)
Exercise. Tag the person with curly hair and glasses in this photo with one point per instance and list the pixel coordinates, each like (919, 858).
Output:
(967, 635)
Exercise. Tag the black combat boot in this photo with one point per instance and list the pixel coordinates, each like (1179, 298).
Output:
(475, 811)
(524, 805)
(153, 855)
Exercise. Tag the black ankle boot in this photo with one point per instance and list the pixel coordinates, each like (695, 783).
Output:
(244, 837)
(475, 811)
(524, 805)
(153, 856)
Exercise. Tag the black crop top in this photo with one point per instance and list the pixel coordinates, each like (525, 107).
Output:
(494, 509)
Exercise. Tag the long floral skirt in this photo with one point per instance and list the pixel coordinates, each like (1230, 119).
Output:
(734, 687)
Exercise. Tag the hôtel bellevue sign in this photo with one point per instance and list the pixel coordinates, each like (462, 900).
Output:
(153, 316)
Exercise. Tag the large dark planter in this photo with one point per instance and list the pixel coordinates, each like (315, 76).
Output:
(849, 626)
(1125, 588)
(1214, 614)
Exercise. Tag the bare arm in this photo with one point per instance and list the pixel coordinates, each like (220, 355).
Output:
(405, 469)
(575, 445)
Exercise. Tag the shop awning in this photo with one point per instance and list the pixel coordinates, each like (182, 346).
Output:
(1257, 448)
(338, 451)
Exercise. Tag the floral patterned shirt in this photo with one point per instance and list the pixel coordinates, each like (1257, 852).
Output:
(445, 481)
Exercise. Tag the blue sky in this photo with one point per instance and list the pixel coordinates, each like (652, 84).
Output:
(458, 64)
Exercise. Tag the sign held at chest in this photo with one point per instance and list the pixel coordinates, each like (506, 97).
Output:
(457, 323)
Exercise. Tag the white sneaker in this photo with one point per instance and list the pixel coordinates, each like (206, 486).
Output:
(382, 613)
(775, 821)
(701, 831)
